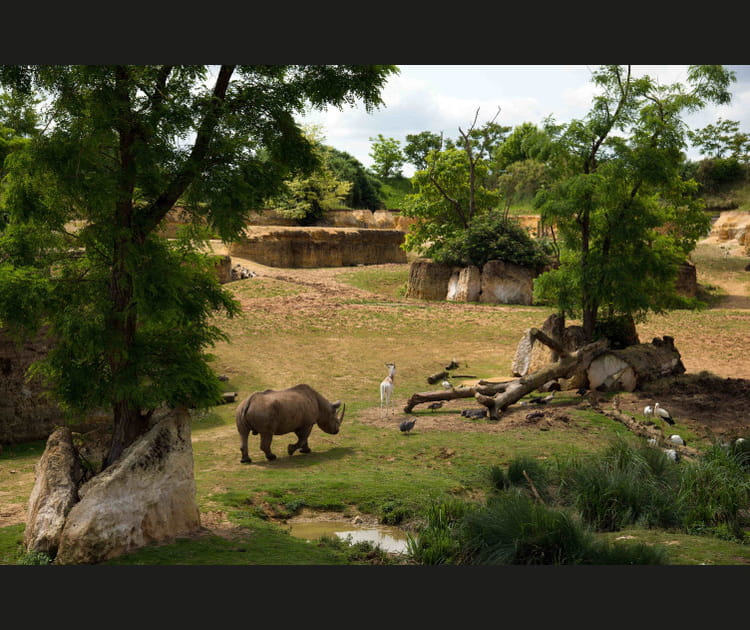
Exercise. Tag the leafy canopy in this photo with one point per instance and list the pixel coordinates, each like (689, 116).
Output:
(117, 147)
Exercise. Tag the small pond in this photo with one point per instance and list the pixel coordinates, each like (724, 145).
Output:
(389, 539)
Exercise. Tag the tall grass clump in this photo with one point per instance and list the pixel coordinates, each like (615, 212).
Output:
(714, 490)
(514, 528)
(436, 542)
(625, 485)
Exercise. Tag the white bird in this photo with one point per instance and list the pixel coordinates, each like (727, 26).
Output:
(447, 385)
(648, 410)
(663, 414)
(652, 442)
(676, 439)
(671, 454)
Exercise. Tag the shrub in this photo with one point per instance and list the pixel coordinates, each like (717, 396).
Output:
(491, 236)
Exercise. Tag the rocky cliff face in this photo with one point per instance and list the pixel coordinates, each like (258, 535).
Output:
(306, 247)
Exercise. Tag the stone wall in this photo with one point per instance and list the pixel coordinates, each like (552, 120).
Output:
(25, 412)
(306, 247)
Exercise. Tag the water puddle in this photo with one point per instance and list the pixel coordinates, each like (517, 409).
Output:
(389, 539)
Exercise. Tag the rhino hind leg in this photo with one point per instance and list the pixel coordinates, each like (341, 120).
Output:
(243, 449)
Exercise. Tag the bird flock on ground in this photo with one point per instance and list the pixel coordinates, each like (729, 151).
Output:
(654, 410)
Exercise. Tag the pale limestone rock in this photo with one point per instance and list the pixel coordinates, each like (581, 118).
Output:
(146, 496)
(506, 283)
(610, 373)
(520, 366)
(55, 492)
(465, 284)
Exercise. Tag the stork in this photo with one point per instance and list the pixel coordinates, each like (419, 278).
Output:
(663, 414)
(677, 439)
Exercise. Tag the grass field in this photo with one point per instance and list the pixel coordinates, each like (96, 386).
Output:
(338, 340)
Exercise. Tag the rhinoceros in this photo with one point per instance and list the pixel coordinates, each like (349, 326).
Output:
(293, 410)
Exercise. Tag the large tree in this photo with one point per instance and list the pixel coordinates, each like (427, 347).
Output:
(626, 216)
(131, 313)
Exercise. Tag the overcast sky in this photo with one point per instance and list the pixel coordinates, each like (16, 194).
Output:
(442, 98)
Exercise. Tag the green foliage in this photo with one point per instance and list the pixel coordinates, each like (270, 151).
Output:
(131, 315)
(717, 174)
(386, 156)
(365, 191)
(491, 236)
(394, 191)
(419, 145)
(446, 200)
(721, 140)
(307, 197)
(625, 216)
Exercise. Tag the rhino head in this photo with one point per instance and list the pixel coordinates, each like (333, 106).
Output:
(336, 418)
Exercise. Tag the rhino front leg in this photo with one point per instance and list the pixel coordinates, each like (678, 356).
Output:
(302, 435)
(265, 445)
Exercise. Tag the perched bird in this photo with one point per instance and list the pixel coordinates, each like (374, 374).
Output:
(407, 425)
(676, 439)
(452, 365)
(663, 414)
(436, 405)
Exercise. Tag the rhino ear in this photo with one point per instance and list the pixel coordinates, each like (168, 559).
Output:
(336, 405)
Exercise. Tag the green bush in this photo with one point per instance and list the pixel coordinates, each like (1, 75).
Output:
(491, 236)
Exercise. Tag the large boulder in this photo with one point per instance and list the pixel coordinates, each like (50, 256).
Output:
(57, 477)
(146, 496)
(465, 284)
(428, 280)
(506, 283)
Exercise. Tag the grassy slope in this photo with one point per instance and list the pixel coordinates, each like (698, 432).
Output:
(365, 468)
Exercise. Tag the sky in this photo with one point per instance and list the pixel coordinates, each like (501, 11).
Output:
(442, 98)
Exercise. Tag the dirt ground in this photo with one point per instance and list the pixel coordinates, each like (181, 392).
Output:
(711, 406)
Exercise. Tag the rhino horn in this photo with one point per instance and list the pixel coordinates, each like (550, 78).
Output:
(339, 417)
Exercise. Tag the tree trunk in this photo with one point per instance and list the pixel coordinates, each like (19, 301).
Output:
(451, 394)
(567, 365)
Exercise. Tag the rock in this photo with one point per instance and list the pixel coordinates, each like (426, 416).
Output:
(428, 280)
(146, 496)
(57, 476)
(687, 280)
(506, 283)
(464, 285)
(224, 268)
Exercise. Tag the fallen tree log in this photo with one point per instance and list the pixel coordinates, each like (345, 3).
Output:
(568, 363)
(419, 398)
